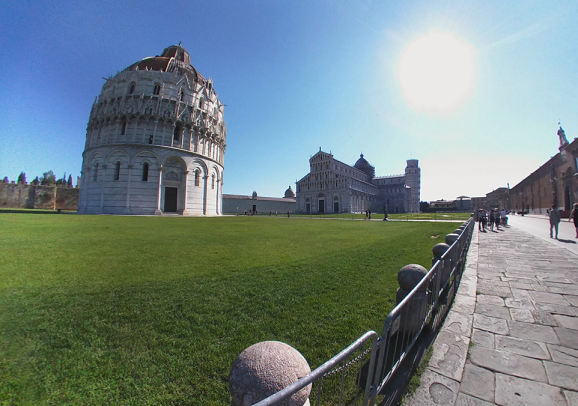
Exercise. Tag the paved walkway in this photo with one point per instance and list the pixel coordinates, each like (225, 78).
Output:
(511, 337)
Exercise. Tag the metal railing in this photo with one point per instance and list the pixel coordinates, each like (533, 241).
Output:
(426, 304)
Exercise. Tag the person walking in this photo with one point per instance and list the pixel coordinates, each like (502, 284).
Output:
(574, 216)
(497, 218)
(492, 220)
(504, 217)
(554, 215)
(480, 215)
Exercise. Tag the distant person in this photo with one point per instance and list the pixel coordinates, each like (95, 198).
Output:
(554, 215)
(492, 220)
(497, 218)
(369, 212)
(504, 217)
(269, 214)
(288, 214)
(366, 214)
(574, 216)
(479, 216)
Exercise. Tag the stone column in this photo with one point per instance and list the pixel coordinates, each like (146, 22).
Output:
(264, 369)
(158, 211)
(127, 209)
(205, 181)
(185, 183)
(103, 180)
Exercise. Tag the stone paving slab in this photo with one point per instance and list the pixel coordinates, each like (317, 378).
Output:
(508, 363)
(434, 389)
(449, 354)
(562, 375)
(491, 324)
(523, 328)
(571, 397)
(532, 349)
(563, 355)
(512, 391)
(478, 382)
(467, 400)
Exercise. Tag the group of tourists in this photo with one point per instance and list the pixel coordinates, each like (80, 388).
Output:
(493, 217)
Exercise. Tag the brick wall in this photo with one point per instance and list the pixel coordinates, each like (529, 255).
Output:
(20, 196)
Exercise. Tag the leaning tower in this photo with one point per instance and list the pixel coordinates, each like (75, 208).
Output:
(413, 180)
(155, 141)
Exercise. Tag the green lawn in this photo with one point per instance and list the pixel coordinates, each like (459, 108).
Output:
(153, 310)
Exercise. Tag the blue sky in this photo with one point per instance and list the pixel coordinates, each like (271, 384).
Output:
(300, 75)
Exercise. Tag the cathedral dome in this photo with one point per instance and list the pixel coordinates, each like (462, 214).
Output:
(289, 193)
(364, 166)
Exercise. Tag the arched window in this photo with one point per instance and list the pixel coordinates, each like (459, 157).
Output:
(151, 138)
(117, 170)
(181, 95)
(123, 127)
(213, 182)
(201, 103)
(96, 172)
(197, 177)
(145, 172)
(177, 132)
(157, 89)
(131, 88)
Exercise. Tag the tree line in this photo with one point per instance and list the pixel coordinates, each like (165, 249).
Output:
(47, 179)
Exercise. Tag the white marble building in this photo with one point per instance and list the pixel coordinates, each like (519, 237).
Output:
(155, 141)
(334, 187)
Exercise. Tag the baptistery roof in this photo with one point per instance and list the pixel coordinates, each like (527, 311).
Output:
(364, 166)
(174, 59)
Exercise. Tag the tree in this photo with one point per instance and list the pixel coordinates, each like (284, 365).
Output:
(35, 182)
(6, 180)
(69, 183)
(48, 178)
(22, 177)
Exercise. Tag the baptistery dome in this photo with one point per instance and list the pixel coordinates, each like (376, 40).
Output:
(155, 141)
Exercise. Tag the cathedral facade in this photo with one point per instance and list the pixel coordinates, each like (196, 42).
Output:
(155, 141)
(332, 186)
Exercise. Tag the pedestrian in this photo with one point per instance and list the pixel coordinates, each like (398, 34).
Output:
(479, 216)
(366, 214)
(504, 217)
(288, 214)
(497, 218)
(574, 216)
(369, 212)
(484, 221)
(554, 215)
(492, 219)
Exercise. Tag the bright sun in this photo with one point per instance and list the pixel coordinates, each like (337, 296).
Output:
(437, 73)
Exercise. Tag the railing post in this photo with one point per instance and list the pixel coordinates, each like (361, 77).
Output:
(264, 369)
(408, 278)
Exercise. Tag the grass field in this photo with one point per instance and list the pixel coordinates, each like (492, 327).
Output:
(153, 310)
(379, 216)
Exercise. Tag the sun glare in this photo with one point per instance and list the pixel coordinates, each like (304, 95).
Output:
(437, 73)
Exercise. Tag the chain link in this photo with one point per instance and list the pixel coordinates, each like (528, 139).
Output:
(347, 365)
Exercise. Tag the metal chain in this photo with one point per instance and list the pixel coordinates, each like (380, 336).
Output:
(347, 365)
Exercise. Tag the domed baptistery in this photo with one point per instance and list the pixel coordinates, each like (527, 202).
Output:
(155, 141)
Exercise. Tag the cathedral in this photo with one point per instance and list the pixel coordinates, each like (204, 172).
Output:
(334, 187)
(155, 141)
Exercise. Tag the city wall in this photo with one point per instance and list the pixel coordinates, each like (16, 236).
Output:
(23, 196)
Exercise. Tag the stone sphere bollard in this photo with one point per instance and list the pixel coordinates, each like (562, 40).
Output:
(412, 317)
(438, 251)
(451, 238)
(457, 231)
(264, 369)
